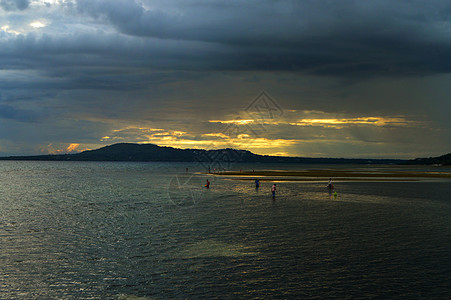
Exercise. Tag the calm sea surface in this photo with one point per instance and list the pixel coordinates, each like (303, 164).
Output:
(88, 230)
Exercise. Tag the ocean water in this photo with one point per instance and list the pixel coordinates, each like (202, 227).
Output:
(91, 230)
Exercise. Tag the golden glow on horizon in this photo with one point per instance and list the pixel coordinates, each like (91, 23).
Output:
(269, 137)
(241, 142)
(260, 143)
(261, 146)
(72, 147)
(217, 140)
(326, 121)
(376, 121)
(219, 135)
(280, 154)
(237, 121)
(143, 129)
(179, 133)
(62, 148)
(258, 122)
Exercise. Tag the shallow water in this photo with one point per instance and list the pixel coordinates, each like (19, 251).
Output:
(87, 230)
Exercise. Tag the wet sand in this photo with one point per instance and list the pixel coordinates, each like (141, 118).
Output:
(335, 174)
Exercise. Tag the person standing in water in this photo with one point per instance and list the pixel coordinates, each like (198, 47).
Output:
(330, 185)
(207, 185)
(257, 184)
(273, 190)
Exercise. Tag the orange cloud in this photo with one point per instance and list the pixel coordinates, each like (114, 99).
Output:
(218, 135)
(72, 147)
(336, 122)
(61, 148)
(237, 121)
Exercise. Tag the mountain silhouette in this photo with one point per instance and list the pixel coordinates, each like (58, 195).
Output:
(151, 152)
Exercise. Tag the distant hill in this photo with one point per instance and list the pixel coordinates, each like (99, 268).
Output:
(150, 152)
(444, 160)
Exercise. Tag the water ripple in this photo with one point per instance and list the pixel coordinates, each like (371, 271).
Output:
(113, 231)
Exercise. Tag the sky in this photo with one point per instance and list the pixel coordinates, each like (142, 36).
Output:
(315, 78)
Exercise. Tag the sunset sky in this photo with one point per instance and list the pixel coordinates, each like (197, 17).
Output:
(301, 78)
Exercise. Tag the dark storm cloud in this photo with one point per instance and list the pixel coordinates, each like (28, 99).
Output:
(22, 115)
(11, 5)
(345, 38)
(94, 59)
(78, 72)
(319, 37)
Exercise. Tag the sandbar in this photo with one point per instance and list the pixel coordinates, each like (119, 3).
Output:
(336, 174)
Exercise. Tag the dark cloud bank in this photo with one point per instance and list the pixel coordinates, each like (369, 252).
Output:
(319, 37)
(335, 38)
(106, 64)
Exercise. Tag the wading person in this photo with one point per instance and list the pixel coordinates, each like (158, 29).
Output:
(330, 185)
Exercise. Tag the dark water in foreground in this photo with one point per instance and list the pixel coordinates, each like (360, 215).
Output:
(72, 230)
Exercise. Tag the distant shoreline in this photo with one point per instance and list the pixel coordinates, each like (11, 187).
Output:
(154, 153)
